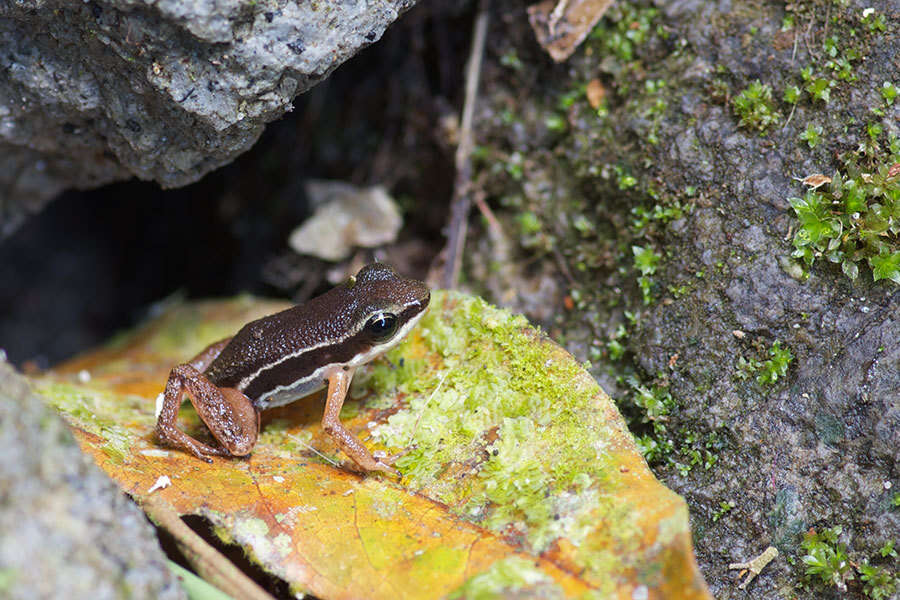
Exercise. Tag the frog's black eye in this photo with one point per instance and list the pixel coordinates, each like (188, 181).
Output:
(382, 326)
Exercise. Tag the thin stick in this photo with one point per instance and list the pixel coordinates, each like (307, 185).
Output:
(319, 454)
(459, 209)
(206, 560)
(493, 224)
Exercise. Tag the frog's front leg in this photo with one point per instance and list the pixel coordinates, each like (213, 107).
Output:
(229, 414)
(338, 384)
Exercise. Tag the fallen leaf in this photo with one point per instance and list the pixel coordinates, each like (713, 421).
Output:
(520, 475)
(815, 181)
(561, 25)
(595, 93)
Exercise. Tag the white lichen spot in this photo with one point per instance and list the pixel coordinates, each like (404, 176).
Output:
(162, 482)
(283, 544)
(155, 453)
(385, 510)
(252, 533)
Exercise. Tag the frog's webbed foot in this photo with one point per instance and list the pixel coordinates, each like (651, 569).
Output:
(229, 415)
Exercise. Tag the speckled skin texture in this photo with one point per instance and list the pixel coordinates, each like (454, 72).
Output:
(327, 329)
(66, 531)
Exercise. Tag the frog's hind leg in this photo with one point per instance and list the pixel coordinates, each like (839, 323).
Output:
(229, 415)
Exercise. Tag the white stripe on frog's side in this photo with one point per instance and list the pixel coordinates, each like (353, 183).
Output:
(246, 381)
(285, 394)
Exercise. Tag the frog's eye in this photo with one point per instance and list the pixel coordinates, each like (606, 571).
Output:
(382, 326)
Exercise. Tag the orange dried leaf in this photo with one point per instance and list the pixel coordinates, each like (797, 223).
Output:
(595, 93)
(561, 25)
(520, 474)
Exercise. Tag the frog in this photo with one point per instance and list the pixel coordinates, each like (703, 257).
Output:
(285, 357)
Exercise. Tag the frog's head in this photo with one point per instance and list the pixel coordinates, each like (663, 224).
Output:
(387, 307)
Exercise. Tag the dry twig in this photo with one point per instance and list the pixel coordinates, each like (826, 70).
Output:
(206, 560)
(459, 208)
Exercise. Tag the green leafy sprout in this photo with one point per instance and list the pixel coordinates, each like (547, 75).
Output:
(725, 507)
(755, 107)
(826, 558)
(878, 582)
(889, 92)
(856, 220)
(812, 135)
(828, 563)
(645, 261)
(776, 366)
(768, 371)
(791, 94)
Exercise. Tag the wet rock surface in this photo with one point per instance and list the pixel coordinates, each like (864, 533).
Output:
(93, 92)
(66, 530)
(664, 165)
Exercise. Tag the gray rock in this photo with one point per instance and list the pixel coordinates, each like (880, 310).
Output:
(816, 449)
(66, 530)
(93, 92)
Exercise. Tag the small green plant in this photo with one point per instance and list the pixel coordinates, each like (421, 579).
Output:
(645, 261)
(624, 179)
(556, 122)
(747, 367)
(661, 213)
(768, 371)
(889, 92)
(874, 131)
(878, 582)
(857, 220)
(755, 108)
(614, 346)
(791, 94)
(827, 562)
(529, 224)
(812, 135)
(724, 508)
(511, 60)
(874, 21)
(826, 558)
(621, 34)
(820, 89)
(775, 367)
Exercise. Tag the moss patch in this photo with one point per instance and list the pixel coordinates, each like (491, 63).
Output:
(506, 577)
(504, 416)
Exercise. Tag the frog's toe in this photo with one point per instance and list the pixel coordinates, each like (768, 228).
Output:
(385, 467)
